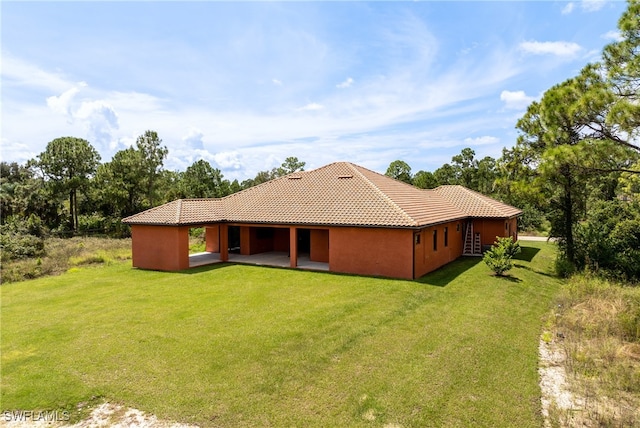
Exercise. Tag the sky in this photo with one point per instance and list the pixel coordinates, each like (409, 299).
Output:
(245, 85)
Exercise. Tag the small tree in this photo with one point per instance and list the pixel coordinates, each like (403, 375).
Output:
(499, 256)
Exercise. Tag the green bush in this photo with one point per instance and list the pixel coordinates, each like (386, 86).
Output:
(609, 240)
(17, 246)
(563, 267)
(499, 256)
(17, 240)
(96, 223)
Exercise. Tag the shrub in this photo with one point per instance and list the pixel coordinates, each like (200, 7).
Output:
(499, 256)
(22, 239)
(17, 246)
(609, 239)
(563, 267)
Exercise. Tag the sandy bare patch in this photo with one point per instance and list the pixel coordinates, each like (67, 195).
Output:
(553, 382)
(104, 415)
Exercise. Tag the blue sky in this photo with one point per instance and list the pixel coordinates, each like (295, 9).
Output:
(245, 85)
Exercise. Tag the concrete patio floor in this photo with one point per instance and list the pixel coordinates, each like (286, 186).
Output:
(277, 259)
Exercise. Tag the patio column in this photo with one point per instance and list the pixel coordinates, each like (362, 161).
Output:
(293, 246)
(224, 243)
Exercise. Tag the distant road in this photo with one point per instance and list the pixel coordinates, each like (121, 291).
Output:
(533, 238)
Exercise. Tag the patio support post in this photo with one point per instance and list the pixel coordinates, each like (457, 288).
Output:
(293, 246)
(224, 243)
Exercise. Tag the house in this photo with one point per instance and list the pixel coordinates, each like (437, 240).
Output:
(340, 217)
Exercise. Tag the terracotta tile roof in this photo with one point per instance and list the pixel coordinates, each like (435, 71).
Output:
(475, 204)
(340, 193)
(181, 211)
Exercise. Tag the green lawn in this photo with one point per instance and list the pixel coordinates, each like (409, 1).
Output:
(233, 345)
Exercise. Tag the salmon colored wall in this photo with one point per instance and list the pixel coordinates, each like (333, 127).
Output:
(319, 245)
(514, 228)
(281, 240)
(160, 247)
(426, 259)
(370, 251)
(212, 238)
(490, 228)
(293, 246)
(245, 241)
(252, 243)
(224, 242)
(259, 244)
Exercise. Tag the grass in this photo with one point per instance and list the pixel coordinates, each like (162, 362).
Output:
(599, 323)
(232, 345)
(63, 254)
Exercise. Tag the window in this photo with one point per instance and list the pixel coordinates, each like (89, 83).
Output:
(417, 238)
(435, 239)
(446, 236)
(458, 227)
(506, 225)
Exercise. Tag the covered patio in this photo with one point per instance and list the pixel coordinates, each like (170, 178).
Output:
(272, 258)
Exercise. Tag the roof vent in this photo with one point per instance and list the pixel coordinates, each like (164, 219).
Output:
(345, 176)
(294, 177)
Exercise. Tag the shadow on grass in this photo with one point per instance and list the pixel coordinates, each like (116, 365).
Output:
(539, 272)
(204, 268)
(527, 254)
(447, 273)
(440, 277)
(509, 278)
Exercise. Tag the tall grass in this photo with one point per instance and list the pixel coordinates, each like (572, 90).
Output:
(64, 254)
(599, 323)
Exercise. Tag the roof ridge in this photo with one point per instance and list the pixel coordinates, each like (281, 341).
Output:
(384, 196)
(179, 211)
(481, 196)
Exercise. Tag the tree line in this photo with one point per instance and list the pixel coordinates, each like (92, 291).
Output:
(574, 167)
(66, 188)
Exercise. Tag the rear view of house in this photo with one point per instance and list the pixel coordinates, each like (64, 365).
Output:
(340, 217)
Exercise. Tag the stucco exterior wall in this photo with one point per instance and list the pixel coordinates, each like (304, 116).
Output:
(370, 251)
(281, 239)
(245, 241)
(490, 228)
(212, 238)
(427, 258)
(255, 240)
(319, 245)
(160, 247)
(513, 227)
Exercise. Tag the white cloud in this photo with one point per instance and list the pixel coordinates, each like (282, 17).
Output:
(563, 49)
(276, 82)
(347, 83)
(229, 160)
(193, 139)
(62, 103)
(516, 99)
(592, 5)
(613, 35)
(100, 120)
(568, 8)
(97, 117)
(18, 72)
(481, 141)
(15, 151)
(312, 107)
